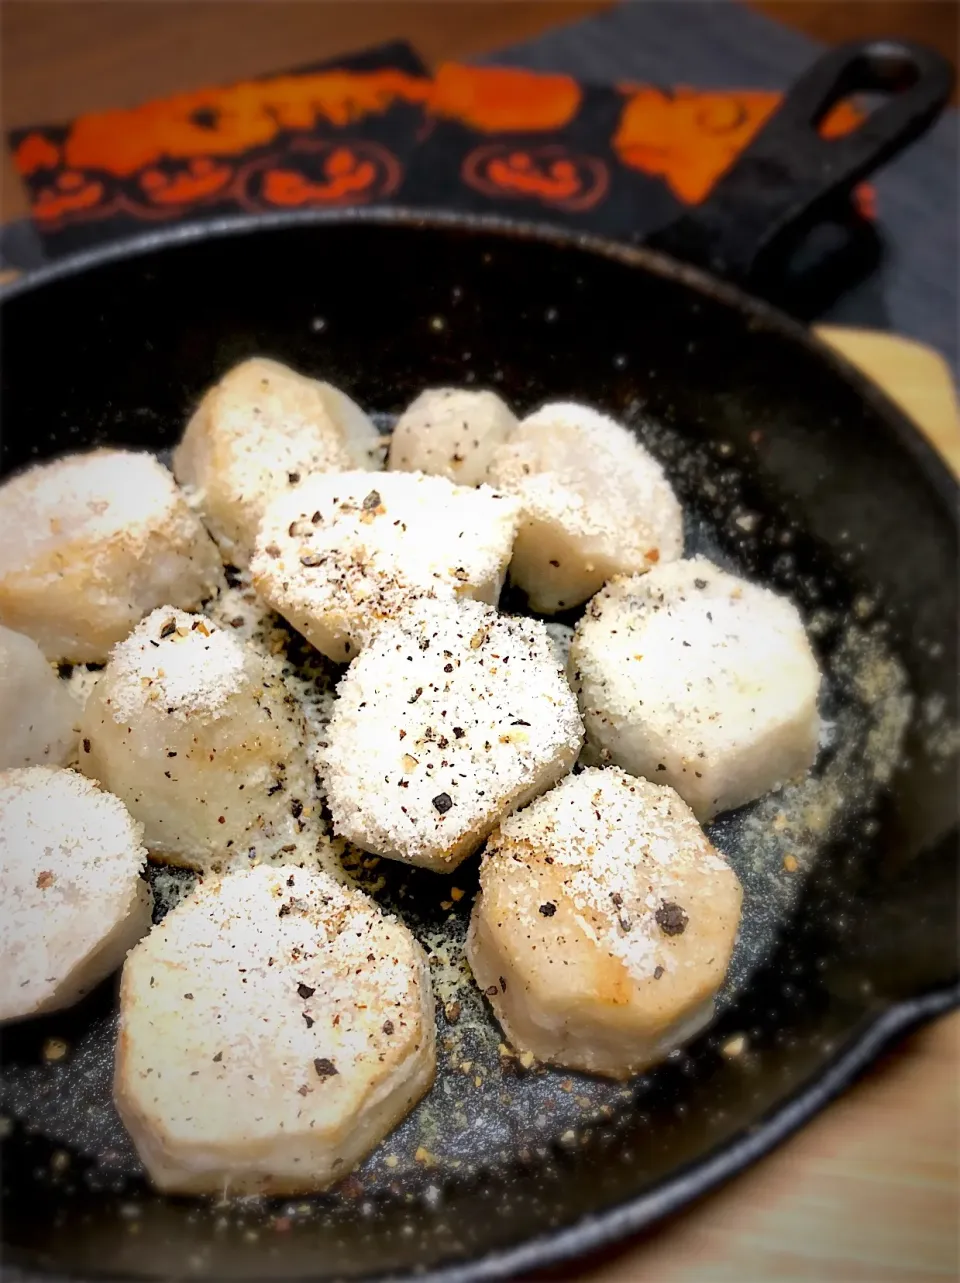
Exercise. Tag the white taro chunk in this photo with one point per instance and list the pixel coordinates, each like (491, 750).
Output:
(340, 555)
(273, 1028)
(695, 678)
(451, 432)
(309, 676)
(446, 722)
(561, 638)
(257, 432)
(73, 898)
(595, 504)
(90, 543)
(197, 733)
(604, 925)
(38, 718)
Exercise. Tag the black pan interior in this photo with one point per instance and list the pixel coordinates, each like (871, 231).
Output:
(792, 472)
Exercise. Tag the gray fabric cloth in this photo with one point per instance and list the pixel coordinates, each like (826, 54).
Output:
(718, 44)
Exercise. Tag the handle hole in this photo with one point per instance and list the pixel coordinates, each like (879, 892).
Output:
(866, 84)
(849, 113)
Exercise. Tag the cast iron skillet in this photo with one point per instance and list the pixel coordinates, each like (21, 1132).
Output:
(792, 468)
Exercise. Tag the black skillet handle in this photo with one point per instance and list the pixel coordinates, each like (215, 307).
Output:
(790, 178)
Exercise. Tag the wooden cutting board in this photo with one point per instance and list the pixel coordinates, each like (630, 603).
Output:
(912, 374)
(868, 1191)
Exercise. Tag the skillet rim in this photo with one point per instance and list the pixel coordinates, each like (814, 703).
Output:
(616, 1223)
(914, 441)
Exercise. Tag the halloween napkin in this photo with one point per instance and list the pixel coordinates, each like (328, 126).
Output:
(378, 129)
(614, 125)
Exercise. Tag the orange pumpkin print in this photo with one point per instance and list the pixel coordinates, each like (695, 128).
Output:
(503, 99)
(70, 194)
(322, 173)
(273, 143)
(691, 137)
(35, 152)
(198, 181)
(549, 174)
(228, 122)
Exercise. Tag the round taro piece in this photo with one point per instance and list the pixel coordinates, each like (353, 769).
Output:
(604, 924)
(38, 716)
(448, 720)
(257, 432)
(693, 677)
(90, 543)
(340, 555)
(273, 1028)
(451, 432)
(195, 730)
(595, 504)
(74, 901)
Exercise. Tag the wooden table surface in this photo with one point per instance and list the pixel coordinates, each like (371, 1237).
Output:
(868, 1191)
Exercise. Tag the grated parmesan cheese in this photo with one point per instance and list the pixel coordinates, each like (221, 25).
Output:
(341, 554)
(178, 660)
(451, 717)
(198, 734)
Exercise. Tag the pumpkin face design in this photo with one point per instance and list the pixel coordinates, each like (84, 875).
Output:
(69, 194)
(320, 172)
(171, 187)
(549, 174)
